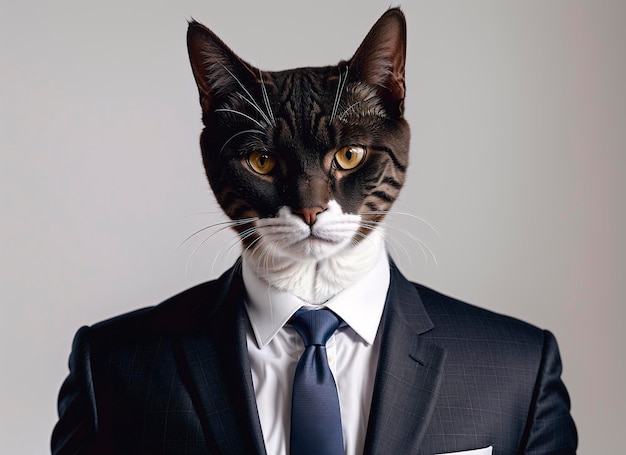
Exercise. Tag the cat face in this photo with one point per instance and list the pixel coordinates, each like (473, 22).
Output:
(305, 161)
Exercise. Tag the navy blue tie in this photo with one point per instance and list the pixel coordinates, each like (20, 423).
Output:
(315, 418)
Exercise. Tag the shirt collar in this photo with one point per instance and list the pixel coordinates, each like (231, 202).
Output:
(359, 305)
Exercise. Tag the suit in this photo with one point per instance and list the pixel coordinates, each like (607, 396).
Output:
(175, 379)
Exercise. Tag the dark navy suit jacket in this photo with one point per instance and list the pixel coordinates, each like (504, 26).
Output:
(175, 379)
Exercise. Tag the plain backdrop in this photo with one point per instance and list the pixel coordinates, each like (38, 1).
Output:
(518, 115)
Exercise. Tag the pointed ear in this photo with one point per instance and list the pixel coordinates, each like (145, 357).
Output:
(217, 69)
(380, 60)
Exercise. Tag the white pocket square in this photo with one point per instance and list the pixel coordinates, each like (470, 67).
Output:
(485, 451)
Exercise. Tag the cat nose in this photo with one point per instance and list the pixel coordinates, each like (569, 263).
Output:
(309, 215)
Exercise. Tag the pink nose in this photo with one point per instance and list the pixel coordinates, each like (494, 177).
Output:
(309, 215)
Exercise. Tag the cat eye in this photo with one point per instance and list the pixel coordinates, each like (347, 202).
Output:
(349, 157)
(261, 162)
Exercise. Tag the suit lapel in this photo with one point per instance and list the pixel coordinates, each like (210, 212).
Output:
(216, 370)
(408, 375)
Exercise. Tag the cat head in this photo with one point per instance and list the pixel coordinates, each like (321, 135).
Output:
(307, 161)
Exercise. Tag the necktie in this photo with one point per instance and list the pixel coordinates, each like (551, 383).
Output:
(315, 418)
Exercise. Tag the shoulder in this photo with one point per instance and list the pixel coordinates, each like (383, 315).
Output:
(483, 345)
(455, 320)
(185, 312)
(501, 364)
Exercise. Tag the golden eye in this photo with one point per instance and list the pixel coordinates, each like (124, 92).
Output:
(349, 157)
(261, 162)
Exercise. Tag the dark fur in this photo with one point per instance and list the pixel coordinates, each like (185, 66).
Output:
(303, 124)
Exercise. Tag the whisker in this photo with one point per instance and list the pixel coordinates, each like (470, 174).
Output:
(249, 247)
(266, 99)
(238, 265)
(390, 241)
(342, 116)
(340, 87)
(237, 134)
(393, 212)
(264, 257)
(363, 236)
(336, 101)
(250, 98)
(233, 243)
(262, 252)
(226, 224)
(426, 251)
(345, 112)
(234, 111)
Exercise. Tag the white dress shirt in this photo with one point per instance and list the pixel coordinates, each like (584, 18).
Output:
(274, 348)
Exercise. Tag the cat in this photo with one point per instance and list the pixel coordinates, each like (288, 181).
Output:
(306, 162)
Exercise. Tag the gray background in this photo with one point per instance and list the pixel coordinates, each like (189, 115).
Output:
(518, 115)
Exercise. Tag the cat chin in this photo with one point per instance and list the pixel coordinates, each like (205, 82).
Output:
(316, 281)
(314, 263)
(314, 249)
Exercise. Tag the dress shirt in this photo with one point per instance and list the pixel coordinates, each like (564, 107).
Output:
(274, 349)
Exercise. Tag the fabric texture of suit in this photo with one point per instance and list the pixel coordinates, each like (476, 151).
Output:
(175, 379)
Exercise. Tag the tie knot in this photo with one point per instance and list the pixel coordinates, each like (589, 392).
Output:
(315, 326)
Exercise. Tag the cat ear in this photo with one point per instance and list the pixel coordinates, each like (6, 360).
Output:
(216, 68)
(380, 59)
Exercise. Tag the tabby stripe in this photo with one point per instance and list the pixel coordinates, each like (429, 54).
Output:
(392, 182)
(315, 85)
(316, 118)
(382, 195)
(288, 91)
(287, 88)
(396, 163)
